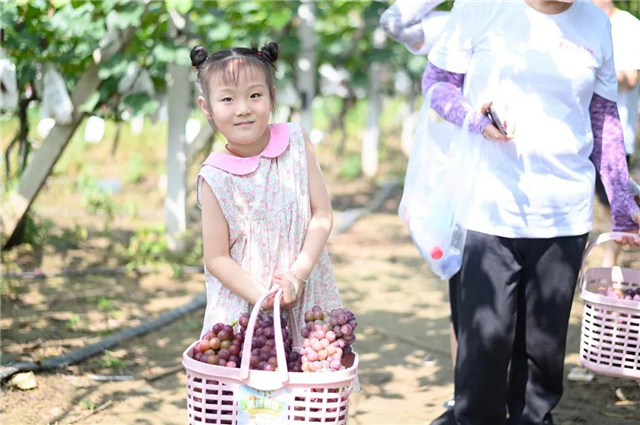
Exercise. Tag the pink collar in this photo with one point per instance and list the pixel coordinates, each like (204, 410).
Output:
(278, 143)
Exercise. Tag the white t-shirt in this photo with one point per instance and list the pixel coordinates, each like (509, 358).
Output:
(625, 31)
(541, 72)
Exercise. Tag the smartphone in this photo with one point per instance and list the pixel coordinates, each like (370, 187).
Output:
(493, 116)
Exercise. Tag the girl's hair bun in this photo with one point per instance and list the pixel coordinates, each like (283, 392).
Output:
(198, 56)
(270, 51)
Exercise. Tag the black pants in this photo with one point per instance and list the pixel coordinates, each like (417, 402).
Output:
(510, 306)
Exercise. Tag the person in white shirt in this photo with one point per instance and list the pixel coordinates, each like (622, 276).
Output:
(625, 32)
(547, 68)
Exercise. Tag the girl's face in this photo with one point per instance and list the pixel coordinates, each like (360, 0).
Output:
(239, 111)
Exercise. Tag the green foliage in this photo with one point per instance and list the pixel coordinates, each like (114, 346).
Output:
(632, 6)
(88, 405)
(105, 304)
(37, 232)
(97, 200)
(135, 170)
(350, 167)
(75, 323)
(109, 360)
(148, 247)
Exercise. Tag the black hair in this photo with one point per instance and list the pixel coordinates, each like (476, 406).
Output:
(263, 60)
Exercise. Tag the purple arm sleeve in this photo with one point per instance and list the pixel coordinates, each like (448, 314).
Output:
(609, 158)
(447, 99)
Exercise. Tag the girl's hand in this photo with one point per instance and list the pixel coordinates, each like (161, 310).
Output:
(268, 302)
(291, 289)
(490, 132)
(629, 239)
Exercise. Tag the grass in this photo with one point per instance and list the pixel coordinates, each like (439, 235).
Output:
(110, 361)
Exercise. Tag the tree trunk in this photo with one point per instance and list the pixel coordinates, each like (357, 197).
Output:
(180, 105)
(202, 141)
(342, 143)
(116, 138)
(306, 62)
(409, 123)
(371, 137)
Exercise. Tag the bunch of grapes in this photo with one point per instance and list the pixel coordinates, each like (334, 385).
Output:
(328, 337)
(222, 346)
(629, 294)
(263, 346)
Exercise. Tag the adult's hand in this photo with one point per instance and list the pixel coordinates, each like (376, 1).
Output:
(630, 239)
(490, 132)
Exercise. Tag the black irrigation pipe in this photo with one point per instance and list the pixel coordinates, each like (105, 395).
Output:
(199, 301)
(103, 271)
(81, 354)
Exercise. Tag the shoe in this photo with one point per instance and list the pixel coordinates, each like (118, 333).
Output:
(449, 404)
(447, 418)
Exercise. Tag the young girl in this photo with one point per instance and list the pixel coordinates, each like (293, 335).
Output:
(266, 213)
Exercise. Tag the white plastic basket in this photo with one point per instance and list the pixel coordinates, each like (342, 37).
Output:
(610, 337)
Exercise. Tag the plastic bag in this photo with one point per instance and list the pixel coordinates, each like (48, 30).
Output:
(136, 80)
(439, 189)
(9, 92)
(56, 102)
(94, 130)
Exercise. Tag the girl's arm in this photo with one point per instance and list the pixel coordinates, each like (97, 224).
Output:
(215, 241)
(609, 158)
(321, 217)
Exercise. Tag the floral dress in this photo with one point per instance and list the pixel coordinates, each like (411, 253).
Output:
(265, 200)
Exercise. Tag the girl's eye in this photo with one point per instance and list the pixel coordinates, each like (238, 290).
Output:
(227, 99)
(256, 95)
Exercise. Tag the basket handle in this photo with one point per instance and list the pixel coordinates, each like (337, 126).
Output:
(277, 323)
(293, 327)
(603, 238)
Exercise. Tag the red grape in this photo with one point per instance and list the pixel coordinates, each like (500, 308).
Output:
(254, 362)
(223, 335)
(202, 346)
(214, 344)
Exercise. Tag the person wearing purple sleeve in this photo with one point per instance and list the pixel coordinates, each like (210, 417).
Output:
(625, 31)
(547, 69)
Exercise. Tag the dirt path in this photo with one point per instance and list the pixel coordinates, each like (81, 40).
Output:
(382, 279)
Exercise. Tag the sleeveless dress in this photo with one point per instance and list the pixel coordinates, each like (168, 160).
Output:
(266, 202)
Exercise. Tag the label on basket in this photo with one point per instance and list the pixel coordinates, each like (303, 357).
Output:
(262, 407)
